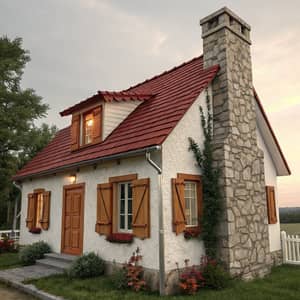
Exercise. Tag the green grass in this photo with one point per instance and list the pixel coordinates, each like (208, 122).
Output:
(9, 260)
(292, 228)
(282, 284)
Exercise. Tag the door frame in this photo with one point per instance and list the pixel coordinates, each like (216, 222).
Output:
(65, 189)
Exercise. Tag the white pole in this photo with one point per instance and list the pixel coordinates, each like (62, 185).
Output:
(283, 246)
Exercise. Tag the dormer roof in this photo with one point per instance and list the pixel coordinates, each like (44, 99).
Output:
(107, 96)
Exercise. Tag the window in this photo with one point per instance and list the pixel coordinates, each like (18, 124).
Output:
(87, 130)
(187, 202)
(38, 209)
(191, 207)
(125, 206)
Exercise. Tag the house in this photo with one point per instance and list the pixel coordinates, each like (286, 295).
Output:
(122, 169)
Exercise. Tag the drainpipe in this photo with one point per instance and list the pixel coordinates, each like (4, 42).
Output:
(16, 214)
(161, 242)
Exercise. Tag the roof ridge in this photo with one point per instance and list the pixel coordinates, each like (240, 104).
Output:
(163, 73)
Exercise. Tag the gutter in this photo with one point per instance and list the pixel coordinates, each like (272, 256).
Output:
(161, 239)
(90, 162)
(16, 214)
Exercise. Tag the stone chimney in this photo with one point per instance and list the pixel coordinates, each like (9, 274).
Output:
(244, 238)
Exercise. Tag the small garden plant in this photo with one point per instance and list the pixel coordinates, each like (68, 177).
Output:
(131, 275)
(87, 265)
(7, 245)
(30, 253)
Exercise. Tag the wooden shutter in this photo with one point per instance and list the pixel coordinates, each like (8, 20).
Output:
(31, 205)
(271, 204)
(178, 200)
(97, 126)
(104, 208)
(75, 132)
(141, 208)
(46, 211)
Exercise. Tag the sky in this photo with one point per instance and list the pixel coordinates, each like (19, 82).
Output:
(78, 47)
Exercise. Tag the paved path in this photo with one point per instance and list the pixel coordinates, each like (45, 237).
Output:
(15, 278)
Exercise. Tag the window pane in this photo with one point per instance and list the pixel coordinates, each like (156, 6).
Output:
(129, 191)
(129, 221)
(191, 210)
(88, 128)
(129, 206)
(122, 206)
(122, 187)
(122, 222)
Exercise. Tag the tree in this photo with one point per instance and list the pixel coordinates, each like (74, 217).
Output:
(20, 139)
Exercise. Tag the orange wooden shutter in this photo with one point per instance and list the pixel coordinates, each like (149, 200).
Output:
(97, 126)
(178, 200)
(272, 216)
(141, 208)
(31, 211)
(46, 211)
(104, 209)
(75, 132)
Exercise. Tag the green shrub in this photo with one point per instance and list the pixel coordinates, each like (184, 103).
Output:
(88, 265)
(119, 278)
(41, 248)
(29, 254)
(215, 275)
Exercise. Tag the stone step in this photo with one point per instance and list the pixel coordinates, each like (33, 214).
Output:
(54, 263)
(61, 257)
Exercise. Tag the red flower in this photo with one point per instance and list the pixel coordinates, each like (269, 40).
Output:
(120, 238)
(35, 230)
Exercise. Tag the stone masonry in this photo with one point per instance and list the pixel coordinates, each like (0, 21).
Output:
(244, 240)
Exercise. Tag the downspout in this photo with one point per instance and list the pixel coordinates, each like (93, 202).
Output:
(161, 241)
(16, 214)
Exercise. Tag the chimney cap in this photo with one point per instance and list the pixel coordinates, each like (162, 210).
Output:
(225, 10)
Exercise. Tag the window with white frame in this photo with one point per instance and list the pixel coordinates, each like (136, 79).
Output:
(125, 206)
(191, 207)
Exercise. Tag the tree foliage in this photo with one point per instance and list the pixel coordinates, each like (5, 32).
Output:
(20, 139)
(210, 176)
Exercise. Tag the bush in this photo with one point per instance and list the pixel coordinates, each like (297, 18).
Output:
(29, 254)
(214, 274)
(119, 278)
(7, 245)
(88, 265)
(190, 279)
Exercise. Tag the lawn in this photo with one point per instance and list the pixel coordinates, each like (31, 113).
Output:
(282, 284)
(292, 228)
(9, 260)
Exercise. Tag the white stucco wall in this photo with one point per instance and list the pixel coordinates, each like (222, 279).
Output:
(177, 159)
(91, 240)
(271, 179)
(115, 113)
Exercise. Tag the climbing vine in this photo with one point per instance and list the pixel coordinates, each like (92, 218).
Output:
(212, 207)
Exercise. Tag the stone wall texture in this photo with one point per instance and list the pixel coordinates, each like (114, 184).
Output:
(244, 241)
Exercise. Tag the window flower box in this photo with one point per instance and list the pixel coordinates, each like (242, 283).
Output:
(190, 233)
(124, 238)
(35, 230)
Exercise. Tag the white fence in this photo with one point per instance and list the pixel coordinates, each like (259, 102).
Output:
(290, 248)
(12, 234)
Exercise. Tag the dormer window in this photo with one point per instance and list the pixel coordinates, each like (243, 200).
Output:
(86, 128)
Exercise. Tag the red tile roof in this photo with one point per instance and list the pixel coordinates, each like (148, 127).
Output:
(148, 125)
(107, 97)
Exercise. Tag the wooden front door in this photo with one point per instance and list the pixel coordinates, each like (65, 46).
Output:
(72, 219)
